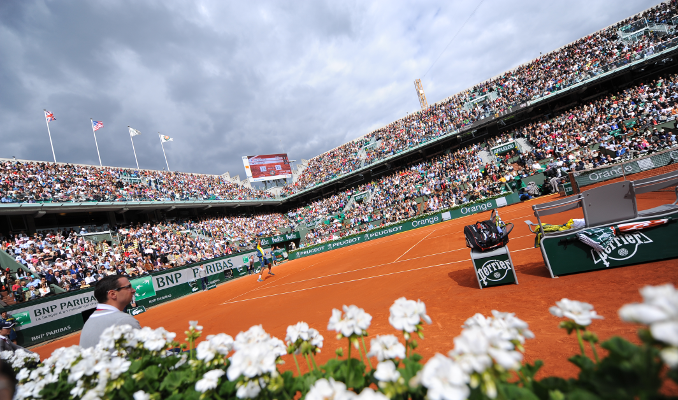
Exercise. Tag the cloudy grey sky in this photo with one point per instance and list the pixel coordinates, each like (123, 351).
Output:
(227, 79)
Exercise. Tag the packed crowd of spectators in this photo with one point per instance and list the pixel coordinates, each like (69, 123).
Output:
(623, 125)
(28, 182)
(71, 262)
(583, 59)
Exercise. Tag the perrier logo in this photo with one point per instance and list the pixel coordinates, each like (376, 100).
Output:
(143, 287)
(493, 271)
(620, 248)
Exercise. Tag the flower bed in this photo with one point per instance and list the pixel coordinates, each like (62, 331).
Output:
(486, 361)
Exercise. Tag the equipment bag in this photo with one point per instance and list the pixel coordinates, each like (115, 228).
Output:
(488, 235)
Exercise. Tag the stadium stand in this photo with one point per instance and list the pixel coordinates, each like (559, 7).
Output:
(586, 58)
(612, 126)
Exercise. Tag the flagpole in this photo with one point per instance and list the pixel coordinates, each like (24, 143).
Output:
(135, 152)
(163, 152)
(95, 140)
(50, 136)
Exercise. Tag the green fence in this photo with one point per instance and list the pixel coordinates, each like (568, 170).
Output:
(54, 316)
(406, 226)
(286, 237)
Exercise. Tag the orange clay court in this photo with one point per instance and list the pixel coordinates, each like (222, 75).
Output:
(431, 264)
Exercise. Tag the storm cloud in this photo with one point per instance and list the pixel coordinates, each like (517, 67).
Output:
(227, 79)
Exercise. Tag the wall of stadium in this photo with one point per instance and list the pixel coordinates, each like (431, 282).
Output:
(56, 316)
(431, 219)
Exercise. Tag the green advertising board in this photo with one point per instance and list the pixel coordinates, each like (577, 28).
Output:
(590, 177)
(286, 237)
(54, 316)
(565, 189)
(406, 226)
(565, 254)
(504, 148)
(494, 268)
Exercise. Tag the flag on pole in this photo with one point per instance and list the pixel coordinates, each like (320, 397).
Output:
(164, 139)
(96, 125)
(49, 116)
(133, 132)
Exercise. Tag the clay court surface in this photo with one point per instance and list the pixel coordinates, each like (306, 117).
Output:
(431, 264)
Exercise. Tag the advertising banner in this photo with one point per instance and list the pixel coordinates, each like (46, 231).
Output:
(285, 237)
(493, 269)
(56, 316)
(597, 175)
(565, 254)
(267, 167)
(406, 226)
(504, 148)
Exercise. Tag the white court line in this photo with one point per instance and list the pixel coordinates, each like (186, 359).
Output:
(262, 286)
(415, 245)
(340, 283)
(379, 265)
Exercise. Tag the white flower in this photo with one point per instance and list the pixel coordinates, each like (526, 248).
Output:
(444, 379)
(407, 314)
(193, 325)
(209, 381)
(514, 326)
(252, 361)
(154, 339)
(23, 374)
(369, 394)
(386, 347)
(477, 347)
(324, 389)
(255, 334)
(298, 331)
(249, 389)
(141, 395)
(581, 313)
(215, 344)
(316, 338)
(354, 321)
(124, 333)
(387, 372)
(659, 311)
(670, 357)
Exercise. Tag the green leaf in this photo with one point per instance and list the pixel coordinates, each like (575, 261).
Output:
(510, 391)
(152, 372)
(583, 362)
(620, 347)
(581, 394)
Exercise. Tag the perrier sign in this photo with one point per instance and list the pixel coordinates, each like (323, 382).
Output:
(493, 269)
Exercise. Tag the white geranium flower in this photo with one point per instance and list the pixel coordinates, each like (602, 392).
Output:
(369, 394)
(141, 395)
(386, 347)
(194, 326)
(665, 331)
(581, 313)
(387, 372)
(354, 321)
(154, 339)
(407, 314)
(444, 379)
(22, 375)
(514, 326)
(249, 389)
(670, 357)
(659, 310)
(470, 350)
(252, 361)
(255, 334)
(316, 338)
(329, 389)
(118, 332)
(209, 380)
(300, 330)
(215, 344)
